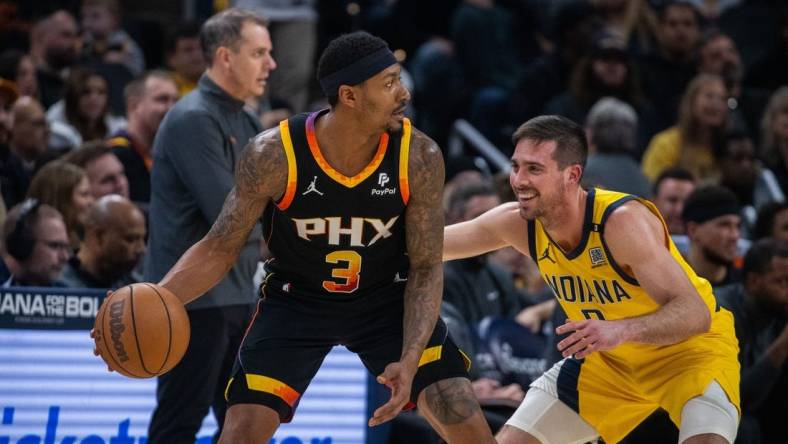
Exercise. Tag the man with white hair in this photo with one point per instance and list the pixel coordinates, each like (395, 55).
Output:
(611, 128)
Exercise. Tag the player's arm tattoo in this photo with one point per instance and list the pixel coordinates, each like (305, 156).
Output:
(260, 175)
(451, 401)
(424, 232)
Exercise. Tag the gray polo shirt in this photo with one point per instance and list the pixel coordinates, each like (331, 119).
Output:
(194, 156)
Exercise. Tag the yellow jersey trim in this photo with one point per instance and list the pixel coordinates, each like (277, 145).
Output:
(273, 386)
(227, 389)
(292, 171)
(431, 354)
(404, 151)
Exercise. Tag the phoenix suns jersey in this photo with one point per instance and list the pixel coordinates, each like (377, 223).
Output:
(589, 284)
(336, 236)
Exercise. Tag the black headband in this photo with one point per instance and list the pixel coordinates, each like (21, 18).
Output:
(704, 213)
(358, 71)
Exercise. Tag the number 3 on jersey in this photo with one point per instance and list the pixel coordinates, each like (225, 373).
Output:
(350, 273)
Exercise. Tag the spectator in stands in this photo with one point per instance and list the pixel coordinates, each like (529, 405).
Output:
(574, 26)
(760, 310)
(702, 125)
(35, 245)
(669, 68)
(713, 220)
(64, 187)
(113, 246)
(741, 172)
(27, 149)
(83, 114)
(607, 71)
(612, 132)
(185, 57)
(18, 67)
(53, 46)
(634, 20)
(104, 170)
(718, 55)
(671, 190)
(772, 222)
(491, 61)
(103, 38)
(148, 98)
(774, 137)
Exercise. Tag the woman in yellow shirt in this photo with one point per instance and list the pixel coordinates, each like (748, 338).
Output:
(703, 121)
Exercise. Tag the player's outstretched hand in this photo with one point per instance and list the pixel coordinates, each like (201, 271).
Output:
(589, 336)
(398, 378)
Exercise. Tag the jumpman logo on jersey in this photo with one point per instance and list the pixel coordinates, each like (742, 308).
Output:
(312, 188)
(546, 255)
(397, 278)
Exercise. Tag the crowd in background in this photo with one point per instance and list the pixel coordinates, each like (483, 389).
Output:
(684, 103)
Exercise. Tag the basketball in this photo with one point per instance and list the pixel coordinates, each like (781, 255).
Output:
(141, 330)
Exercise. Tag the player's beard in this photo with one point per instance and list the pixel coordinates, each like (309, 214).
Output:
(715, 258)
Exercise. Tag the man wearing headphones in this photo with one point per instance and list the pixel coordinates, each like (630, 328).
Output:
(35, 245)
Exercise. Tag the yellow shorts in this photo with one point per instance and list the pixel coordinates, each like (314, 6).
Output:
(614, 399)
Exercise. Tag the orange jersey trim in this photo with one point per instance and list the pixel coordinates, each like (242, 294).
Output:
(404, 151)
(292, 171)
(273, 386)
(349, 182)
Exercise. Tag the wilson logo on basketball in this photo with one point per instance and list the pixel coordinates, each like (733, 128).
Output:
(116, 328)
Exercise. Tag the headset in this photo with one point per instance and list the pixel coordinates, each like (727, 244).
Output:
(20, 242)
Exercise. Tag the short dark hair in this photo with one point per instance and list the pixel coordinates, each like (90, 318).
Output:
(136, 87)
(459, 199)
(343, 51)
(764, 224)
(87, 153)
(224, 29)
(183, 30)
(732, 135)
(759, 257)
(9, 63)
(662, 11)
(677, 173)
(571, 144)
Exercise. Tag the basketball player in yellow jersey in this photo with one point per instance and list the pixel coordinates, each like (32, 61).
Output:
(646, 331)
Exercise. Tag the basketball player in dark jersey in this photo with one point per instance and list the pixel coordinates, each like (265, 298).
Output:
(351, 205)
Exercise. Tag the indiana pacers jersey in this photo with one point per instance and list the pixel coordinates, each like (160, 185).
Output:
(336, 236)
(615, 390)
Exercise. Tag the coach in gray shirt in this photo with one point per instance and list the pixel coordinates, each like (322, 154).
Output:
(195, 152)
